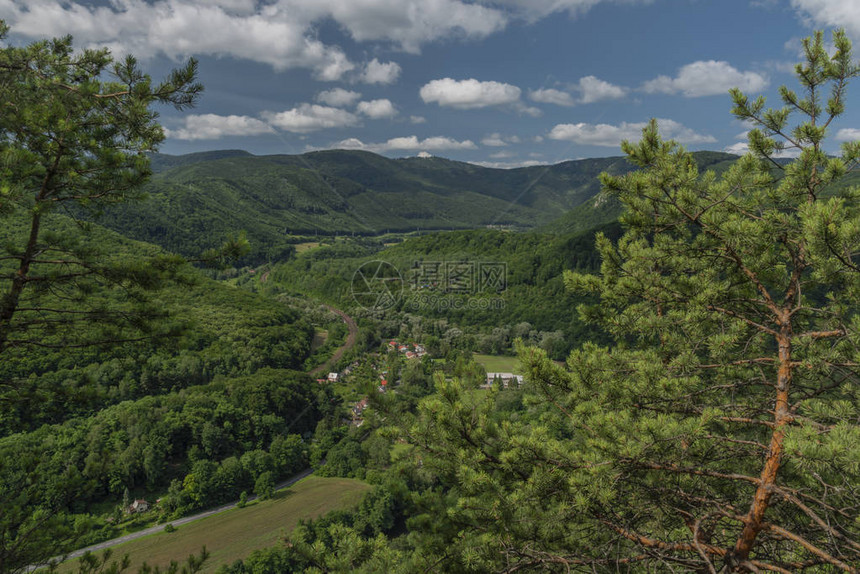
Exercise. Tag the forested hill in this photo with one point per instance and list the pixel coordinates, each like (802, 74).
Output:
(197, 200)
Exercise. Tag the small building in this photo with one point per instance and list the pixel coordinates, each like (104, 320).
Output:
(359, 407)
(332, 377)
(138, 506)
(506, 379)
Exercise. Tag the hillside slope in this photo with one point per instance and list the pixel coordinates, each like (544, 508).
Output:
(195, 201)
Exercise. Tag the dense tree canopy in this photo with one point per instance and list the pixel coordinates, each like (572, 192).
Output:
(719, 432)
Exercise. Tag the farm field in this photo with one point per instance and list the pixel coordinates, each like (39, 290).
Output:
(236, 533)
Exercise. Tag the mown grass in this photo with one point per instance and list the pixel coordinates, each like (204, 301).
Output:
(499, 363)
(236, 533)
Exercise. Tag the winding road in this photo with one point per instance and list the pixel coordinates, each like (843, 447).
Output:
(351, 339)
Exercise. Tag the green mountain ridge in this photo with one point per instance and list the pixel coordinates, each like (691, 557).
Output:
(197, 200)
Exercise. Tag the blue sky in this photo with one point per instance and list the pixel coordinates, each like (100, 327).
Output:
(497, 82)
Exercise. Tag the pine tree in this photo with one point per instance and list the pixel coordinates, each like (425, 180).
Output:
(720, 432)
(75, 128)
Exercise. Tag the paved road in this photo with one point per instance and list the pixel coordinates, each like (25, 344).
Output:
(177, 522)
(350, 343)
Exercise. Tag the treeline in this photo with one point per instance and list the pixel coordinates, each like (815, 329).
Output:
(412, 518)
(204, 445)
(531, 303)
(205, 329)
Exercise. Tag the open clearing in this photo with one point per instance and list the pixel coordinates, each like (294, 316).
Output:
(320, 337)
(303, 247)
(499, 364)
(236, 533)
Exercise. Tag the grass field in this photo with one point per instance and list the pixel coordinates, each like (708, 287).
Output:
(302, 247)
(236, 533)
(320, 337)
(499, 364)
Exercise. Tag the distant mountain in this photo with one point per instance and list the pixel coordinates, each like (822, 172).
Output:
(599, 210)
(196, 200)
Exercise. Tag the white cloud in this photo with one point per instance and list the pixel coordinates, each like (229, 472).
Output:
(737, 148)
(406, 23)
(591, 89)
(469, 94)
(424, 155)
(552, 96)
(831, 14)
(377, 109)
(848, 135)
(611, 135)
(408, 143)
(417, 119)
(533, 10)
(508, 164)
(280, 33)
(179, 28)
(742, 148)
(310, 117)
(338, 97)
(706, 78)
(528, 110)
(594, 89)
(376, 72)
(498, 140)
(211, 126)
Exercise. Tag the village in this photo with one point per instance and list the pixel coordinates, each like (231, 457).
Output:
(408, 351)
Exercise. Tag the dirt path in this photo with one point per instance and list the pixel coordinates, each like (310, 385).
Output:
(351, 339)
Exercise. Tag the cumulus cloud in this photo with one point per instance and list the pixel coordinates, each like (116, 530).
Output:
(376, 72)
(591, 89)
(706, 78)
(498, 140)
(308, 118)
(737, 148)
(552, 96)
(831, 14)
(338, 97)
(180, 28)
(533, 10)
(280, 33)
(611, 135)
(469, 94)
(406, 23)
(508, 164)
(408, 143)
(212, 126)
(848, 135)
(742, 148)
(417, 119)
(594, 89)
(377, 109)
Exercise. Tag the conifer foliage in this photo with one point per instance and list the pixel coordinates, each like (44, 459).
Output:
(720, 432)
(75, 127)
